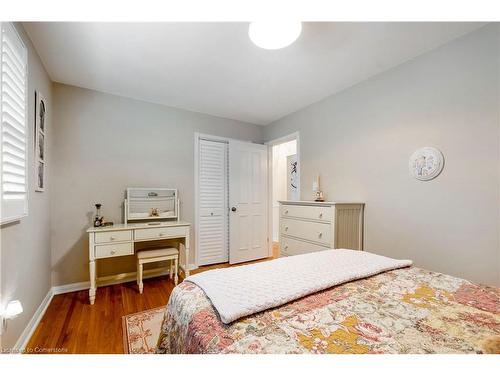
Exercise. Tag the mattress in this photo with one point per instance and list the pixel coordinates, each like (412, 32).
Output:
(409, 310)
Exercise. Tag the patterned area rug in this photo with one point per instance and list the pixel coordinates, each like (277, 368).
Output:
(141, 331)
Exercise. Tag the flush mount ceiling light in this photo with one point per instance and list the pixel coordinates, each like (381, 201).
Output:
(274, 35)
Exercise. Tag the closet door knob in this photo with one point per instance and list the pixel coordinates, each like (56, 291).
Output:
(233, 209)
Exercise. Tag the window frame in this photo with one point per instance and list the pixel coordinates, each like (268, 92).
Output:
(18, 216)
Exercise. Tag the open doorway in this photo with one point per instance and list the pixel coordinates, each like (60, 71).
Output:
(284, 179)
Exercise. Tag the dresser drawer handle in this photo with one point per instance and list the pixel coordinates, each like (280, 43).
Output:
(286, 229)
(112, 238)
(320, 215)
(286, 212)
(320, 234)
(161, 234)
(286, 247)
(113, 252)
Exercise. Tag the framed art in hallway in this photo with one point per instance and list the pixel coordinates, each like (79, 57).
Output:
(40, 141)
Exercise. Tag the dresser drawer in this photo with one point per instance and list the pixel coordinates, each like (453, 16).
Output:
(308, 230)
(114, 250)
(155, 233)
(307, 212)
(290, 246)
(116, 236)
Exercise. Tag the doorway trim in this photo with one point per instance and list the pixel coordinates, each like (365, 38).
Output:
(270, 144)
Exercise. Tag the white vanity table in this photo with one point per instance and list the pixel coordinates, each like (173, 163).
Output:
(118, 240)
(151, 214)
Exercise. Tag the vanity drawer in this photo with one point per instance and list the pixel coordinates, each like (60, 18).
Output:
(116, 236)
(155, 233)
(114, 250)
(308, 230)
(290, 246)
(307, 212)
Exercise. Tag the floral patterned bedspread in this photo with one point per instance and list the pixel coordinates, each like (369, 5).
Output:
(408, 310)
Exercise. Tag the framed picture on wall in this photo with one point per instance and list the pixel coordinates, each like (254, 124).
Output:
(293, 177)
(40, 141)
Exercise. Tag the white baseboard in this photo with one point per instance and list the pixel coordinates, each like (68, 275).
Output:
(109, 280)
(25, 337)
(190, 267)
(68, 288)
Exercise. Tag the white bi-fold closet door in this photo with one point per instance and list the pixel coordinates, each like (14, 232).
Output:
(213, 203)
(231, 201)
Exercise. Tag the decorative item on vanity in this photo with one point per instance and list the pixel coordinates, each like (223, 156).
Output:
(318, 194)
(426, 163)
(307, 226)
(40, 141)
(99, 219)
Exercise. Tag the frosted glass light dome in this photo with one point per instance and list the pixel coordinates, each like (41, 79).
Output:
(274, 35)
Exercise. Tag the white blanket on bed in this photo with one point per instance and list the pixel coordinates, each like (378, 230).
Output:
(240, 291)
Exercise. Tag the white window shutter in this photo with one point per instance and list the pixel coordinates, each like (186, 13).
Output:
(13, 125)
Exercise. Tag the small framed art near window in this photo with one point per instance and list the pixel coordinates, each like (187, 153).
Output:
(13, 129)
(40, 141)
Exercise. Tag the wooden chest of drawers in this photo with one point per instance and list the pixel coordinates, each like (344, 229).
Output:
(314, 226)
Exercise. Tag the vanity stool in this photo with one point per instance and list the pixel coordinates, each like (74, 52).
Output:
(157, 255)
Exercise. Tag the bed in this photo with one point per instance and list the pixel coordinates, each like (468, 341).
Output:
(404, 310)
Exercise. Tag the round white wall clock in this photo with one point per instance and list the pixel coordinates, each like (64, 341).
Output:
(426, 163)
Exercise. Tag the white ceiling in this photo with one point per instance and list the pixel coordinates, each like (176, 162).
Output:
(214, 68)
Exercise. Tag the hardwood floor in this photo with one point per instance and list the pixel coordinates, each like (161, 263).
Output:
(72, 325)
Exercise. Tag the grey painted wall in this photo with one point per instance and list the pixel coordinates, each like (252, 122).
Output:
(25, 245)
(104, 144)
(360, 140)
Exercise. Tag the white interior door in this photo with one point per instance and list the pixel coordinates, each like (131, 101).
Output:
(212, 203)
(248, 201)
